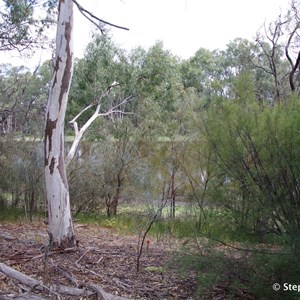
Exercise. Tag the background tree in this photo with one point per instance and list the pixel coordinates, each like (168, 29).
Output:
(103, 64)
(99, 94)
(23, 99)
(276, 40)
(204, 72)
(21, 21)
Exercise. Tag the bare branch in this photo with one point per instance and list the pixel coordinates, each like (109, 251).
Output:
(84, 110)
(113, 109)
(92, 18)
(104, 94)
(291, 75)
(288, 46)
(296, 65)
(80, 132)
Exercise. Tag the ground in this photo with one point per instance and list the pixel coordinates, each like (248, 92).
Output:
(103, 256)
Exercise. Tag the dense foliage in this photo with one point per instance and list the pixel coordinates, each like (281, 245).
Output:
(25, 23)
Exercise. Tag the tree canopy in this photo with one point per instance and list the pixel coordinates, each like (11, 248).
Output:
(24, 24)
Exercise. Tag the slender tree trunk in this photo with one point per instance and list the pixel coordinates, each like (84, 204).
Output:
(57, 190)
(173, 194)
(114, 200)
(31, 204)
(112, 207)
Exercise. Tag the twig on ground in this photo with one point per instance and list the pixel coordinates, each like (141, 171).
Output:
(121, 284)
(67, 274)
(150, 223)
(81, 257)
(6, 236)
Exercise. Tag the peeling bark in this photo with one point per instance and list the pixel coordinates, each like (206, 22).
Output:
(57, 190)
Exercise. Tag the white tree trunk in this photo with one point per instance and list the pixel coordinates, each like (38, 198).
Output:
(57, 190)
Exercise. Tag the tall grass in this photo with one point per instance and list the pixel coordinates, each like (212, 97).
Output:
(187, 224)
(11, 214)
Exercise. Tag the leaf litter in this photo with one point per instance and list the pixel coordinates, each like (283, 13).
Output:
(102, 257)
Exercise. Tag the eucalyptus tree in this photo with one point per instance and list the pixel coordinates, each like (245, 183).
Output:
(279, 44)
(23, 96)
(158, 89)
(160, 79)
(104, 65)
(212, 74)
(204, 72)
(61, 230)
(59, 214)
(100, 88)
(24, 24)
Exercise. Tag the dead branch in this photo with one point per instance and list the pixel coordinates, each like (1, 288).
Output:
(69, 290)
(24, 296)
(80, 132)
(104, 94)
(80, 258)
(99, 292)
(92, 18)
(67, 274)
(24, 279)
(6, 236)
(55, 288)
(122, 284)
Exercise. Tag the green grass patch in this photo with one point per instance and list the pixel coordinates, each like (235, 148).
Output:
(123, 222)
(11, 215)
(8, 214)
(154, 269)
(214, 224)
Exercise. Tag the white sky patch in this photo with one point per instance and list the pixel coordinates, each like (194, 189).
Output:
(184, 26)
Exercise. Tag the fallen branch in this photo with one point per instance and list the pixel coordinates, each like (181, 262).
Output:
(24, 279)
(54, 288)
(69, 290)
(67, 274)
(99, 292)
(80, 258)
(21, 297)
(6, 236)
(121, 284)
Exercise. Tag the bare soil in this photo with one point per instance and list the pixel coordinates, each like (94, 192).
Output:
(102, 256)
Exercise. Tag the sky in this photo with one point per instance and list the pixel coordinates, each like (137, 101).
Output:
(184, 26)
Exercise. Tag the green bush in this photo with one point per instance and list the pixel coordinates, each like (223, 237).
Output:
(235, 273)
(255, 153)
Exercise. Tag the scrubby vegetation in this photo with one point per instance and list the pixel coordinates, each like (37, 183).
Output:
(204, 150)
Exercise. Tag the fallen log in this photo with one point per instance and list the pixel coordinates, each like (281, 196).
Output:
(54, 288)
(21, 297)
(12, 273)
